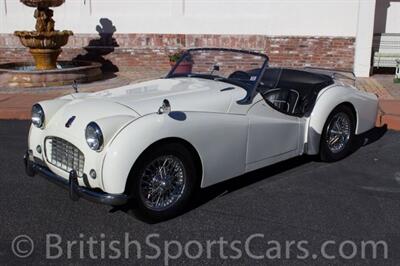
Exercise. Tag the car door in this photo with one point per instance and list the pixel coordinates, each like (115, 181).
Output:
(273, 136)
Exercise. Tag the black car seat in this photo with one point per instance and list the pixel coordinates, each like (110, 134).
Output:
(285, 100)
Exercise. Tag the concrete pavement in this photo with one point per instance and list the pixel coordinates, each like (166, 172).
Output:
(350, 201)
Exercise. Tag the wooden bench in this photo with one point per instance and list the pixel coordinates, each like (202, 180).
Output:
(386, 49)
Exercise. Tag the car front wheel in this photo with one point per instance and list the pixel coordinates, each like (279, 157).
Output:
(164, 182)
(338, 134)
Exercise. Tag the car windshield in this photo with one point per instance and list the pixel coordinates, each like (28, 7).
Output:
(237, 67)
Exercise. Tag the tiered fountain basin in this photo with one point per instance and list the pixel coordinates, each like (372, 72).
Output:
(25, 74)
(43, 3)
(45, 45)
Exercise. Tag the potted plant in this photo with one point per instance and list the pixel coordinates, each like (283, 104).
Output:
(184, 66)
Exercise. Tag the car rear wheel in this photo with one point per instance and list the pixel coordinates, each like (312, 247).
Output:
(164, 182)
(338, 134)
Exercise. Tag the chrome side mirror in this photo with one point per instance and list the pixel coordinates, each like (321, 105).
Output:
(165, 107)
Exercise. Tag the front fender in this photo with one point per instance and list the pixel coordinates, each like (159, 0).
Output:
(222, 155)
(50, 107)
(93, 159)
(365, 105)
(112, 124)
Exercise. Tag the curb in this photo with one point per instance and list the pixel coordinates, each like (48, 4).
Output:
(389, 114)
(9, 114)
(18, 106)
(392, 121)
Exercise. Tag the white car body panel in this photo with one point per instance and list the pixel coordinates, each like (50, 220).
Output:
(265, 125)
(222, 155)
(194, 94)
(229, 138)
(365, 105)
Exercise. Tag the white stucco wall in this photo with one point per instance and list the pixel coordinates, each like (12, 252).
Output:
(343, 18)
(267, 17)
(365, 29)
(387, 16)
(393, 18)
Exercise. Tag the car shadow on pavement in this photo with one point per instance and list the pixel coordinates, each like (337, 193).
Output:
(205, 195)
(369, 137)
(224, 188)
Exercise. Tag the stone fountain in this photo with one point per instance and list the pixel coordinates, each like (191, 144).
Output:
(45, 46)
(45, 43)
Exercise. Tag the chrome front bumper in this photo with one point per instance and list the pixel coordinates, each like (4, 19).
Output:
(75, 191)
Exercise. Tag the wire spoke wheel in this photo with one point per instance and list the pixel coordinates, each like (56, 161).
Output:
(162, 182)
(338, 132)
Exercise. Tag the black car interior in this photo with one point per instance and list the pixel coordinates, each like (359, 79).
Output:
(291, 91)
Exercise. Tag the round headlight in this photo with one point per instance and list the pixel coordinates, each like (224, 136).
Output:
(37, 116)
(94, 136)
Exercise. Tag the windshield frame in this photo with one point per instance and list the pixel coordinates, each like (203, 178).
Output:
(250, 88)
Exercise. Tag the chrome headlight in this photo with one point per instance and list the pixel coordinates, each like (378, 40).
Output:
(94, 136)
(37, 116)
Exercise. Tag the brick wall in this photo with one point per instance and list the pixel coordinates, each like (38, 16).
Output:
(128, 51)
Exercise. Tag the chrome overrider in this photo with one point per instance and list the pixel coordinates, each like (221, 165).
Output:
(33, 167)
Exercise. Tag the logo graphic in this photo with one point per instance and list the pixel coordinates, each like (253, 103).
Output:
(22, 246)
(70, 121)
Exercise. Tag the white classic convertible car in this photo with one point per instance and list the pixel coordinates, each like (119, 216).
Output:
(218, 114)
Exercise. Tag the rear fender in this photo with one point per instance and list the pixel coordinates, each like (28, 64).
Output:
(365, 106)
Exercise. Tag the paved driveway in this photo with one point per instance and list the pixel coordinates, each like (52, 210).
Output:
(289, 210)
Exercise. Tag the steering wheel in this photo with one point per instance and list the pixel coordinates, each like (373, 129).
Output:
(239, 75)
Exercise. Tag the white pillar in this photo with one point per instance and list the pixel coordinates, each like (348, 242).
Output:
(3, 13)
(364, 38)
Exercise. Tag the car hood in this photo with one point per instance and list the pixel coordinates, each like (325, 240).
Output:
(184, 94)
(69, 117)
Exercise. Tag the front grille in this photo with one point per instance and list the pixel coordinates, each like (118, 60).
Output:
(64, 155)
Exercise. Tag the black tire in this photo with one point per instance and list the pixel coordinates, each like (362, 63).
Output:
(327, 154)
(180, 152)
